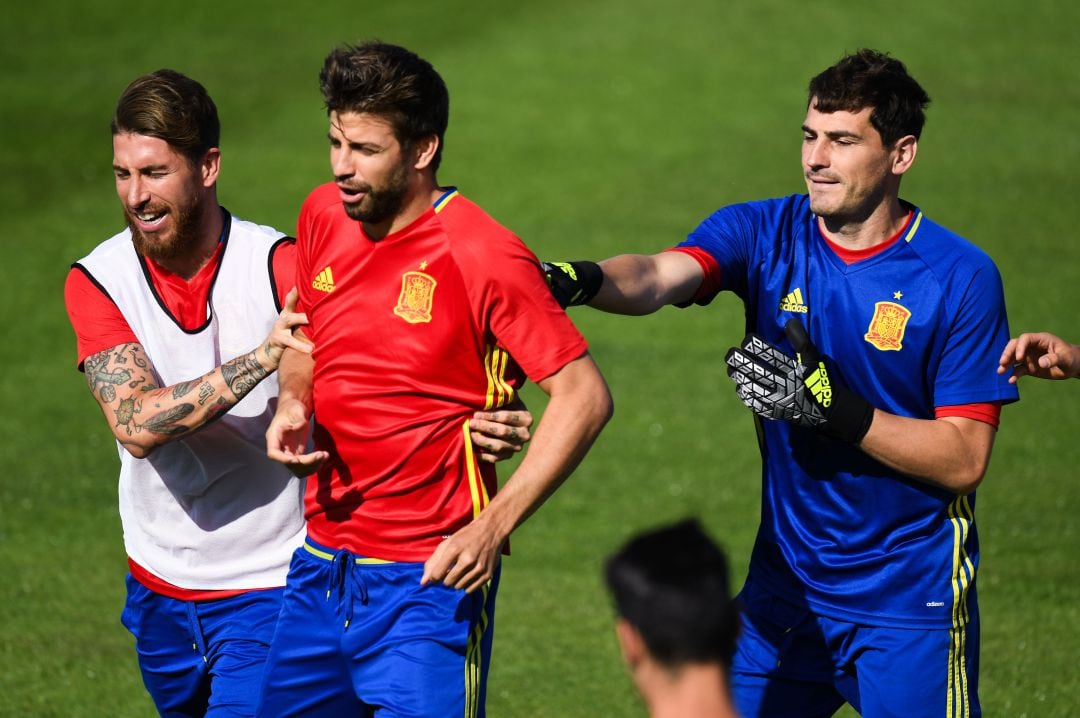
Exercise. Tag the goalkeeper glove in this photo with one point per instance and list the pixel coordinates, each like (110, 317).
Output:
(573, 283)
(800, 390)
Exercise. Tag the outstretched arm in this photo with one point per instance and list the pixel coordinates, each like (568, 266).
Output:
(1042, 355)
(143, 416)
(580, 405)
(628, 283)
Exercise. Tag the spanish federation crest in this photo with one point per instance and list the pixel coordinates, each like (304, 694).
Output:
(886, 331)
(417, 291)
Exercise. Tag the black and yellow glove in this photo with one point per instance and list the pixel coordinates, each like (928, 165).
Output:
(573, 283)
(800, 390)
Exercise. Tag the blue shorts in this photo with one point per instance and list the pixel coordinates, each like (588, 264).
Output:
(202, 658)
(363, 638)
(792, 663)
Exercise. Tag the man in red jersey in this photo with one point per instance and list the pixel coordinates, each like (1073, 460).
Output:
(416, 301)
(165, 313)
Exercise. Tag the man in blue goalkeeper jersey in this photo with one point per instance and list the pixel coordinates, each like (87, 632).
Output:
(870, 359)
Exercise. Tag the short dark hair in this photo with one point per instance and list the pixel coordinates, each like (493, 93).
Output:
(671, 584)
(390, 82)
(869, 78)
(173, 107)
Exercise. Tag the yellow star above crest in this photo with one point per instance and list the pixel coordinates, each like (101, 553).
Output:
(423, 265)
(897, 295)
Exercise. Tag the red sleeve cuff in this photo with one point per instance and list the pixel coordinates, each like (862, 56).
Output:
(987, 412)
(710, 270)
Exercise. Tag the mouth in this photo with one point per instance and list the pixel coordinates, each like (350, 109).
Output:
(149, 219)
(352, 195)
(821, 180)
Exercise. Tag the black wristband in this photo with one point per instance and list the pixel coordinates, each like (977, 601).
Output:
(573, 283)
(849, 418)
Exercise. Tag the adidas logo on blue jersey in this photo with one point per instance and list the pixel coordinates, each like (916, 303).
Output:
(793, 302)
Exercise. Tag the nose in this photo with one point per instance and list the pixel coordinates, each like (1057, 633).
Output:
(134, 191)
(815, 154)
(339, 163)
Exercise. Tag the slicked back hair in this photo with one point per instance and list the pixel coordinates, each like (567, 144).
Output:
(392, 83)
(671, 584)
(869, 78)
(170, 106)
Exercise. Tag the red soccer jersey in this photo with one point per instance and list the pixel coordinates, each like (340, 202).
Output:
(412, 335)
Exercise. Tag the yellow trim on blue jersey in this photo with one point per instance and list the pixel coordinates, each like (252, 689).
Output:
(473, 658)
(963, 573)
(914, 227)
(476, 484)
(330, 557)
(441, 202)
(499, 391)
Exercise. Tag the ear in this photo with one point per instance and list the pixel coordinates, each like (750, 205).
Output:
(631, 644)
(903, 155)
(425, 151)
(209, 166)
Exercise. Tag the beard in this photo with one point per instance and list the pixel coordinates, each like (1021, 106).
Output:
(380, 203)
(185, 234)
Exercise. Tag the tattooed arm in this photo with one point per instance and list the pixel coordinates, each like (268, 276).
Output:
(143, 416)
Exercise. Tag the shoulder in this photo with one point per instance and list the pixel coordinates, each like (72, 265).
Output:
(759, 223)
(475, 233)
(324, 197)
(945, 251)
(252, 231)
(795, 206)
(118, 245)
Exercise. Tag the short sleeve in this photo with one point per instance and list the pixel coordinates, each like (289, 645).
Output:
(97, 321)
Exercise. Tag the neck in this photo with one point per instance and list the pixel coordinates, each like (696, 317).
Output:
(692, 691)
(418, 200)
(883, 222)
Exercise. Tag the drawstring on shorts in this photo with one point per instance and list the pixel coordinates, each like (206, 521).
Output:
(341, 578)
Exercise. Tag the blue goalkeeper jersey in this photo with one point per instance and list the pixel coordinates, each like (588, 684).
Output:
(917, 326)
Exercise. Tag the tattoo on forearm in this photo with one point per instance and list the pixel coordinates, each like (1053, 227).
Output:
(206, 390)
(183, 388)
(243, 373)
(218, 408)
(168, 421)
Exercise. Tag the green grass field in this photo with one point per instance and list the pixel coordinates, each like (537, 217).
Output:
(590, 128)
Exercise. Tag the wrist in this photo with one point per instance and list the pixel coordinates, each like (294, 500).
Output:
(574, 283)
(851, 419)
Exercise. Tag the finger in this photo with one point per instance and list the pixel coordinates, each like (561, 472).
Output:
(290, 300)
(293, 319)
(1048, 360)
(494, 446)
(1008, 356)
(506, 417)
(477, 579)
(315, 459)
(436, 566)
(796, 334)
(298, 344)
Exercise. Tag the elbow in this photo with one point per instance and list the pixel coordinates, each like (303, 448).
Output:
(968, 477)
(605, 407)
(138, 450)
